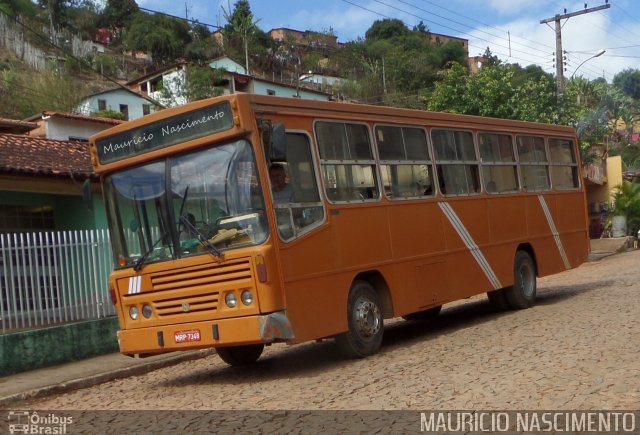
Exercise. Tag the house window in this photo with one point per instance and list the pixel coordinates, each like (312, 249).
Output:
(271, 92)
(124, 109)
(146, 109)
(78, 139)
(102, 104)
(25, 218)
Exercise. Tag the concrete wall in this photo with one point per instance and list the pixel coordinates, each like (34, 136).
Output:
(33, 349)
(59, 128)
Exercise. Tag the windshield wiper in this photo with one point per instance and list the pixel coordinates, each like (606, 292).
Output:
(201, 237)
(140, 262)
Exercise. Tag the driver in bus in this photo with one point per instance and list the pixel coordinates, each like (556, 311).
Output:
(280, 189)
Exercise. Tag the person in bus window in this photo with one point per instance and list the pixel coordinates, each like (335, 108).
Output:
(280, 189)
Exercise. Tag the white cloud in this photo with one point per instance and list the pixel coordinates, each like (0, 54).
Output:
(511, 7)
(582, 36)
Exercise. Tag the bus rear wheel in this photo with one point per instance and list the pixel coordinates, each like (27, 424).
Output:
(365, 321)
(522, 294)
(240, 355)
(424, 315)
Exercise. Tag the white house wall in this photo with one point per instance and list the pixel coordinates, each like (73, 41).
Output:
(173, 83)
(265, 88)
(66, 129)
(113, 101)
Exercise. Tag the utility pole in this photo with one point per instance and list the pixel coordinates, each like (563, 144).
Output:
(558, 29)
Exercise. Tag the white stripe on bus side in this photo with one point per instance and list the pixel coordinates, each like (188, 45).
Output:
(554, 231)
(471, 245)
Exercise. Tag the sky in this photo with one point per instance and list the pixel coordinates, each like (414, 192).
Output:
(510, 28)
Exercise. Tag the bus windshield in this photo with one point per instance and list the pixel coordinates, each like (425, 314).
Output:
(201, 202)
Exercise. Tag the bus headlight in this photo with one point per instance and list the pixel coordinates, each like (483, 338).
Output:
(231, 300)
(247, 297)
(133, 312)
(147, 311)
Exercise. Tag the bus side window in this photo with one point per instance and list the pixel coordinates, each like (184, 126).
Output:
(499, 169)
(456, 161)
(347, 163)
(534, 165)
(405, 161)
(302, 208)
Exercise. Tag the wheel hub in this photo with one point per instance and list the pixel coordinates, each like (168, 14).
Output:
(367, 318)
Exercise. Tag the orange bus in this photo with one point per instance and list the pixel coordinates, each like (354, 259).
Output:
(370, 213)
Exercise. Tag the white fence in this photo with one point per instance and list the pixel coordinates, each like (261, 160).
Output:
(53, 278)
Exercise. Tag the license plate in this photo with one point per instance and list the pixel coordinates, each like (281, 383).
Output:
(185, 336)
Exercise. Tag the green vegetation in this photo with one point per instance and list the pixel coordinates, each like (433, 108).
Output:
(392, 65)
(626, 202)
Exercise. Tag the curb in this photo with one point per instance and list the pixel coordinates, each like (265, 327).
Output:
(99, 378)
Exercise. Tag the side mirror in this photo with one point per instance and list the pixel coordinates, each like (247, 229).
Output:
(87, 195)
(278, 143)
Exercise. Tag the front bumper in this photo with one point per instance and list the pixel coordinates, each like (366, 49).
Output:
(266, 328)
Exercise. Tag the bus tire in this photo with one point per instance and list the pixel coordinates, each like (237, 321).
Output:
(240, 355)
(365, 321)
(498, 300)
(522, 294)
(424, 315)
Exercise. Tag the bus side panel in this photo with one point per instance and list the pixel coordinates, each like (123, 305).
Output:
(507, 229)
(466, 275)
(357, 240)
(571, 224)
(315, 304)
(548, 257)
(417, 235)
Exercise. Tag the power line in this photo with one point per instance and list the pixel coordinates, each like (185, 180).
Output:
(483, 23)
(453, 29)
(471, 27)
(180, 18)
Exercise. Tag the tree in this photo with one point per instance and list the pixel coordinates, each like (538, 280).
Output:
(164, 38)
(494, 91)
(628, 81)
(240, 23)
(117, 14)
(386, 29)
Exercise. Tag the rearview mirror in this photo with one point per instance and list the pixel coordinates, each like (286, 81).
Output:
(87, 196)
(277, 143)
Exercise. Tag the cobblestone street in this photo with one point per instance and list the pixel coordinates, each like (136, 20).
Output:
(578, 348)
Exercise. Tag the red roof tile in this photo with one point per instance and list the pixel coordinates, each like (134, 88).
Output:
(81, 117)
(30, 155)
(16, 126)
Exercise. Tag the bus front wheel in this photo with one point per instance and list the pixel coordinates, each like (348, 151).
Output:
(365, 321)
(522, 294)
(240, 355)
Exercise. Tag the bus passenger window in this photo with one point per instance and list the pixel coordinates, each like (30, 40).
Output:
(499, 169)
(297, 203)
(534, 165)
(456, 160)
(346, 159)
(564, 168)
(404, 161)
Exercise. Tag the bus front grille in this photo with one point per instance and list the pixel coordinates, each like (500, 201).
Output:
(202, 276)
(189, 304)
(198, 288)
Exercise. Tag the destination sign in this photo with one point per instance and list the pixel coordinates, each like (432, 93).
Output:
(161, 134)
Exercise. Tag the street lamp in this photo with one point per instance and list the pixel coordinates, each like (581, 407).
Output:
(598, 54)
